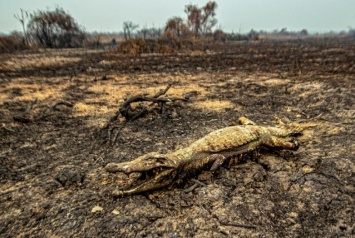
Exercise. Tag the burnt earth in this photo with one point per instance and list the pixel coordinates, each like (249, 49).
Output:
(52, 177)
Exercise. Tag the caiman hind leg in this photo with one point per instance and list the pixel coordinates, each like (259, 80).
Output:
(196, 164)
(245, 121)
(199, 161)
(219, 158)
(218, 161)
(280, 142)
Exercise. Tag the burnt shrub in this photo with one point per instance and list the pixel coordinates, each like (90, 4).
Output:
(135, 47)
(163, 45)
(55, 29)
(13, 42)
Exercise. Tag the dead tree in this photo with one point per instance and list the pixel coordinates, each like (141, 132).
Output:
(22, 19)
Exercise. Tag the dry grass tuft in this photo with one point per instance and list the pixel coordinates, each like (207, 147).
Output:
(214, 105)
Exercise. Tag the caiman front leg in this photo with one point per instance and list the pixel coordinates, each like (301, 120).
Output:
(280, 142)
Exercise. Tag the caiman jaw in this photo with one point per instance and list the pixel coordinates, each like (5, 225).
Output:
(155, 171)
(160, 179)
(143, 163)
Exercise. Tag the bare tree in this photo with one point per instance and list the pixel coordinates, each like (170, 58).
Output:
(304, 32)
(175, 27)
(208, 19)
(194, 18)
(154, 32)
(201, 20)
(22, 19)
(143, 32)
(128, 28)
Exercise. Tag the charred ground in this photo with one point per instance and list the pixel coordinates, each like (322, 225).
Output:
(52, 177)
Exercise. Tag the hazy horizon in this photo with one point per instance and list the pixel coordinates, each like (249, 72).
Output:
(317, 16)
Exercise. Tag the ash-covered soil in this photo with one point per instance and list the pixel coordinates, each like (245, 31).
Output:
(52, 155)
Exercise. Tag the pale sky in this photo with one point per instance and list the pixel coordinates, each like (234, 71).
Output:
(233, 15)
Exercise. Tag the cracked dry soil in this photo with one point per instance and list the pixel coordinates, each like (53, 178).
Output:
(52, 179)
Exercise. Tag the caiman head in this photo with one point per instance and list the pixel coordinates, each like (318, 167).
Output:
(156, 171)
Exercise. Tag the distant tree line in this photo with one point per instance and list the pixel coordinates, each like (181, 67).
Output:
(199, 22)
(58, 29)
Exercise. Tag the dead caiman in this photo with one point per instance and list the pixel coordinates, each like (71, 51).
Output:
(159, 170)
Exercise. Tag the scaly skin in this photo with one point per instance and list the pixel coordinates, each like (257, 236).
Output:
(210, 151)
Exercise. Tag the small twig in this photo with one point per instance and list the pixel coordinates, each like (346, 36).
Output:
(30, 105)
(238, 225)
(52, 107)
(9, 129)
(192, 188)
(115, 138)
(195, 185)
(199, 182)
(318, 115)
(162, 92)
(281, 76)
(23, 119)
(112, 119)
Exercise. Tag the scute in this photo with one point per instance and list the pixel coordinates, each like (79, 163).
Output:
(225, 139)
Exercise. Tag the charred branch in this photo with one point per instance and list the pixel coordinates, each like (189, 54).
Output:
(130, 113)
(24, 118)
